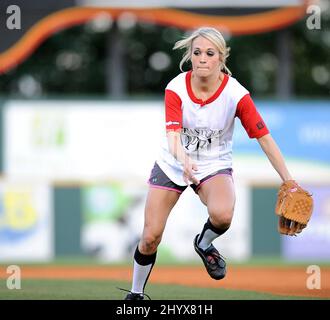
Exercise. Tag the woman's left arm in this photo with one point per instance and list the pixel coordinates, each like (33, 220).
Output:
(274, 155)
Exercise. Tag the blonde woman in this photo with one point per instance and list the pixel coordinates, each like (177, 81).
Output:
(200, 108)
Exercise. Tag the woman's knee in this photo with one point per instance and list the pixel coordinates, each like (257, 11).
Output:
(221, 217)
(149, 243)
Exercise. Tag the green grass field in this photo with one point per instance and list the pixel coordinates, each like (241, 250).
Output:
(55, 289)
(107, 290)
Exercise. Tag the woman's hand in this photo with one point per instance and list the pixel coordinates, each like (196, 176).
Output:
(189, 169)
(176, 149)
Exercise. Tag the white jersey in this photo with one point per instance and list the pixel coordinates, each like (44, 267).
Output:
(207, 127)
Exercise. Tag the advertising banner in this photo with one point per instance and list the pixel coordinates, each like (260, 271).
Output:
(314, 241)
(24, 25)
(113, 223)
(82, 140)
(100, 140)
(26, 222)
(301, 129)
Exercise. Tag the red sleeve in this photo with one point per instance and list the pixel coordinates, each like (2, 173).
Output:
(173, 111)
(250, 118)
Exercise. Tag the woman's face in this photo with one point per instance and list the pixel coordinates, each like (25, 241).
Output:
(205, 57)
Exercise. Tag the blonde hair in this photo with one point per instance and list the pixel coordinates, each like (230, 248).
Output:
(210, 34)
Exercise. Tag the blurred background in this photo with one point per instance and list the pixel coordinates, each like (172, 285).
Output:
(82, 117)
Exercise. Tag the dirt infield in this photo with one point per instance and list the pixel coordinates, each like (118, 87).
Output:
(289, 281)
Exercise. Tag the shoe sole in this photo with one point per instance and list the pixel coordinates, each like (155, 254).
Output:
(205, 264)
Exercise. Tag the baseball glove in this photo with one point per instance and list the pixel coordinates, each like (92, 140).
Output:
(294, 207)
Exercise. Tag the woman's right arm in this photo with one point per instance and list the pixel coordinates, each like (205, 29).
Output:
(178, 152)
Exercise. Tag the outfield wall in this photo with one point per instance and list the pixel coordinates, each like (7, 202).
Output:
(74, 182)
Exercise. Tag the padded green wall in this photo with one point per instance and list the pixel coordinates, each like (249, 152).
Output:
(68, 221)
(266, 239)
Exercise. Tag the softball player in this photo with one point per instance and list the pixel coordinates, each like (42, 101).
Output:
(201, 106)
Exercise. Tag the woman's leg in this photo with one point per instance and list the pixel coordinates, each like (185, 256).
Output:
(158, 207)
(218, 194)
